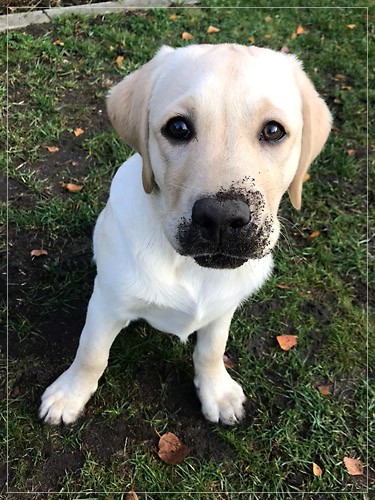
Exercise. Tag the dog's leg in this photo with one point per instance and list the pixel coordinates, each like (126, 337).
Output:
(65, 399)
(221, 397)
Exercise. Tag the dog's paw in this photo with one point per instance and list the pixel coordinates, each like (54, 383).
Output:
(222, 398)
(64, 400)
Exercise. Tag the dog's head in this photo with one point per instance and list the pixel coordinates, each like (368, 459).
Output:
(223, 131)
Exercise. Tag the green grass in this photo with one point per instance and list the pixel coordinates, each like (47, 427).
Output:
(147, 389)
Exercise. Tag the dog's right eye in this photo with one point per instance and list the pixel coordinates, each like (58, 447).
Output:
(178, 128)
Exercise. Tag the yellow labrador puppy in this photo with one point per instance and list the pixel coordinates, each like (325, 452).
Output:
(221, 131)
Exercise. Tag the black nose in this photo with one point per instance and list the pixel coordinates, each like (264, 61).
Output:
(216, 219)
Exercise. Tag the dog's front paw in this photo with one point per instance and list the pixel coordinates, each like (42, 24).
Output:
(222, 398)
(65, 399)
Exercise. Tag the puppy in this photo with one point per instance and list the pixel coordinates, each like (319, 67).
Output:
(221, 132)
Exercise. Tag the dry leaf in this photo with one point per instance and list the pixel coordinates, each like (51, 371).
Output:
(173, 17)
(252, 39)
(286, 342)
(294, 36)
(212, 29)
(228, 363)
(267, 19)
(317, 471)
(118, 61)
(306, 177)
(300, 30)
(353, 466)
(340, 76)
(38, 253)
(131, 495)
(171, 450)
(350, 152)
(267, 37)
(78, 131)
(283, 287)
(58, 42)
(186, 36)
(284, 50)
(73, 188)
(53, 149)
(325, 390)
(350, 26)
(314, 234)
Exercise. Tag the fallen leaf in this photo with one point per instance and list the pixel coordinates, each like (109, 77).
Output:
(353, 466)
(306, 177)
(350, 152)
(267, 19)
(186, 36)
(131, 495)
(325, 390)
(284, 50)
(283, 287)
(53, 149)
(317, 471)
(74, 163)
(171, 450)
(340, 76)
(286, 342)
(38, 253)
(350, 26)
(212, 29)
(300, 30)
(78, 131)
(173, 17)
(267, 37)
(346, 87)
(118, 61)
(73, 188)
(294, 36)
(252, 39)
(314, 234)
(58, 42)
(228, 363)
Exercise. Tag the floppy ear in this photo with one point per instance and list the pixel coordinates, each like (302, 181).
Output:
(317, 121)
(128, 109)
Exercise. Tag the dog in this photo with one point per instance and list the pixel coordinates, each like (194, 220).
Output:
(221, 133)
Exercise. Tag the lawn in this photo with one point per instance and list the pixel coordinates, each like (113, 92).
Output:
(59, 134)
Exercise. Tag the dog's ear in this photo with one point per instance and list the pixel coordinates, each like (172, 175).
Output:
(317, 121)
(128, 109)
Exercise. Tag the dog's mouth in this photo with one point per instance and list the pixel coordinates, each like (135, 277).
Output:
(220, 261)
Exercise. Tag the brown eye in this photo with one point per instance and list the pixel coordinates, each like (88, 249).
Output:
(272, 132)
(179, 129)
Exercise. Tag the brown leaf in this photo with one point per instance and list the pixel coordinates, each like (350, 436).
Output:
(283, 287)
(350, 26)
(325, 390)
(286, 342)
(252, 39)
(353, 466)
(350, 152)
(131, 495)
(317, 471)
(38, 253)
(78, 131)
(314, 234)
(171, 450)
(340, 76)
(73, 188)
(267, 19)
(118, 61)
(58, 42)
(186, 36)
(173, 17)
(300, 30)
(294, 36)
(212, 29)
(53, 149)
(228, 363)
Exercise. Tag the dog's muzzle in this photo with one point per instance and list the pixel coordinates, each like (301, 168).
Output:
(224, 232)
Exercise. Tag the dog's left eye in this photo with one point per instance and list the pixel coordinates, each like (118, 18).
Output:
(178, 128)
(272, 132)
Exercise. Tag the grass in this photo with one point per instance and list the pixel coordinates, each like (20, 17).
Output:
(147, 389)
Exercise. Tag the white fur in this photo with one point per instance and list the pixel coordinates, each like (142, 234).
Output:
(140, 273)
